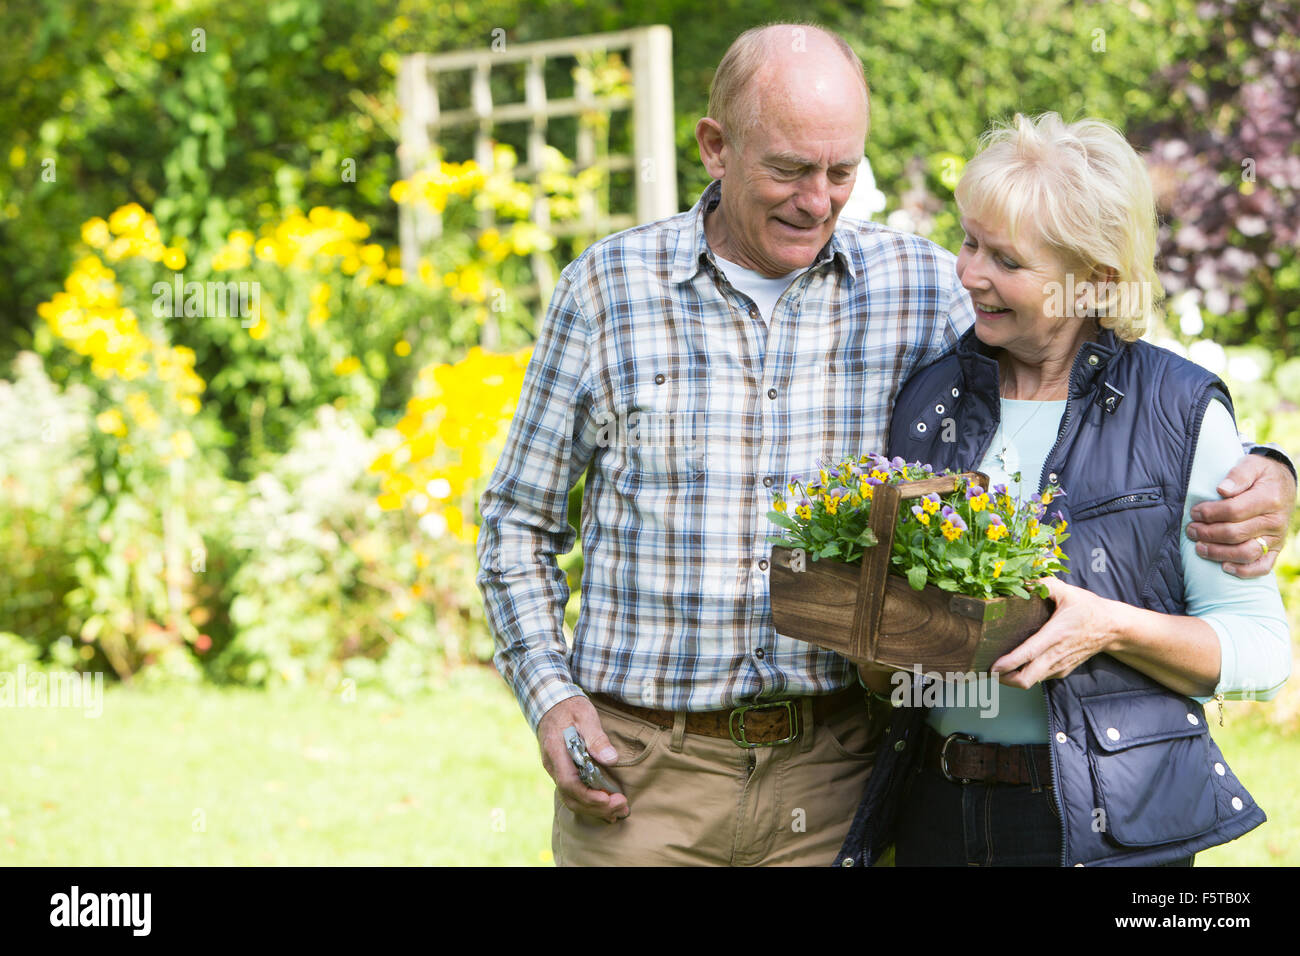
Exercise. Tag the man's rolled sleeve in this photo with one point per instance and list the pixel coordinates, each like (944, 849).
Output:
(1269, 450)
(525, 512)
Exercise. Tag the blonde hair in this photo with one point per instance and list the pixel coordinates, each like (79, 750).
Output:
(1087, 194)
(732, 103)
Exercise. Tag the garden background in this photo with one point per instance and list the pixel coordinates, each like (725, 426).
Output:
(261, 528)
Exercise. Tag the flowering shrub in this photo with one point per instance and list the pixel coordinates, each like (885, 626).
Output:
(974, 541)
(451, 437)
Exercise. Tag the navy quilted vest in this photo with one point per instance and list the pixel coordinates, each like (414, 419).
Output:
(1139, 781)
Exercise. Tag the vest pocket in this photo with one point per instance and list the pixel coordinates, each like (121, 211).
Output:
(1150, 760)
(1119, 501)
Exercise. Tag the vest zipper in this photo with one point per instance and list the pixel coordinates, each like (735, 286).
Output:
(1051, 733)
(1056, 780)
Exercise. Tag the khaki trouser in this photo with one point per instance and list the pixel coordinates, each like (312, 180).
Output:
(698, 801)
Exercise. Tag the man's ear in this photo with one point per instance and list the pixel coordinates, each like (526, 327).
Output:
(714, 151)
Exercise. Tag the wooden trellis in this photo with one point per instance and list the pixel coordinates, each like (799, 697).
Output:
(652, 161)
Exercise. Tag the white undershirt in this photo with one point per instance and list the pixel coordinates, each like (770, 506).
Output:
(760, 288)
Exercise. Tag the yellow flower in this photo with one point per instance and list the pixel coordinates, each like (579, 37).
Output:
(803, 511)
(832, 504)
(996, 532)
(111, 423)
(94, 232)
(979, 502)
(402, 348)
(173, 259)
(997, 568)
(347, 366)
(778, 506)
(182, 443)
(1047, 497)
(950, 531)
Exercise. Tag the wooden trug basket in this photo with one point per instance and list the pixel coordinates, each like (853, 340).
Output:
(869, 614)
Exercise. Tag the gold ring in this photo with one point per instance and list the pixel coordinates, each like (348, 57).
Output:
(1263, 546)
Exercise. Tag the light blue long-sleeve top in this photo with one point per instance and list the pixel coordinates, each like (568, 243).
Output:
(1246, 613)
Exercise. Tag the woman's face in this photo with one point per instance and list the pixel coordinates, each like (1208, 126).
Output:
(1019, 292)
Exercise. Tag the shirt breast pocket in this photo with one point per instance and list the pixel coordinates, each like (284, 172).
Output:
(656, 429)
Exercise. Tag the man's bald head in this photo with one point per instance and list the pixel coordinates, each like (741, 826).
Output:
(764, 62)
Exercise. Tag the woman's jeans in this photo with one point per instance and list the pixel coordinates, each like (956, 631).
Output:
(979, 824)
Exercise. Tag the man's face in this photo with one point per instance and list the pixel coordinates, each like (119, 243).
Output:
(783, 190)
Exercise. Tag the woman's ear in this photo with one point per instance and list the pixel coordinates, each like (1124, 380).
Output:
(1097, 291)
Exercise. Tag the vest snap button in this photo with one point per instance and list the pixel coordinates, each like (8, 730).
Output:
(1220, 769)
(847, 861)
(954, 393)
(920, 426)
(1092, 360)
(1060, 737)
(939, 409)
(1112, 733)
(1191, 719)
(900, 745)
(1236, 803)
(1052, 477)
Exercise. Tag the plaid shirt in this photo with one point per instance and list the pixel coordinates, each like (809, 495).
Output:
(656, 377)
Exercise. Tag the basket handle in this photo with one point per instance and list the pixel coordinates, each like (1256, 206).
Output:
(885, 504)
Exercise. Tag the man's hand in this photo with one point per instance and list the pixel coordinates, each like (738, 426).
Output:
(577, 796)
(1080, 627)
(1258, 497)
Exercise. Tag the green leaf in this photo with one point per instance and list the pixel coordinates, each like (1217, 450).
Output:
(947, 584)
(917, 577)
(783, 521)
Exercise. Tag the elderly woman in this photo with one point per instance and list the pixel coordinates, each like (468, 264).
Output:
(1099, 751)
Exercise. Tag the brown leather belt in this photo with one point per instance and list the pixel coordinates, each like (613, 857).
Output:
(962, 760)
(749, 725)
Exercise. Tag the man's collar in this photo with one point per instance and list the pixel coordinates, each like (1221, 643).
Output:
(694, 249)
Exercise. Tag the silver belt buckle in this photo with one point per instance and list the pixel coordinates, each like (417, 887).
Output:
(943, 756)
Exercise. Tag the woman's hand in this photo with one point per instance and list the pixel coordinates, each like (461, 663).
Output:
(1082, 625)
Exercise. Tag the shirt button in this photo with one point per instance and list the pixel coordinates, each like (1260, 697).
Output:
(759, 653)
(767, 482)
(753, 313)
(1060, 737)
(762, 565)
(771, 393)
(660, 378)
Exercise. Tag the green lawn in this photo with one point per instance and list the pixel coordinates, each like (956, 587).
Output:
(211, 777)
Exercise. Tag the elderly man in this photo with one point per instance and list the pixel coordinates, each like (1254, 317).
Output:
(688, 367)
